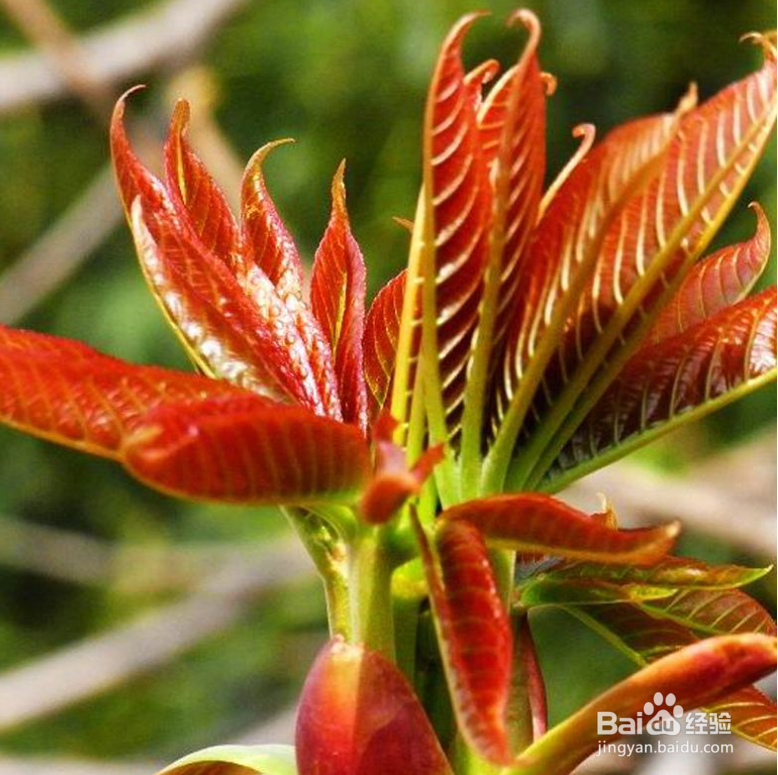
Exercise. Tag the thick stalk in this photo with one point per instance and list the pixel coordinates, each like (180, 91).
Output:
(370, 591)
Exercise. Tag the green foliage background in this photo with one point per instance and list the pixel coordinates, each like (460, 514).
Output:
(346, 78)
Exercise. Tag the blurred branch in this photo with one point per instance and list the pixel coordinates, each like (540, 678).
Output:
(44, 28)
(60, 251)
(97, 664)
(131, 568)
(164, 35)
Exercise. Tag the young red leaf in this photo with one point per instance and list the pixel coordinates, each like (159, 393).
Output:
(512, 124)
(457, 210)
(269, 247)
(512, 127)
(678, 379)
(473, 632)
(195, 195)
(359, 716)
(714, 611)
(132, 177)
(247, 449)
(649, 248)
(697, 675)
(714, 283)
(644, 638)
(228, 335)
(69, 393)
(248, 341)
(382, 330)
(561, 256)
(537, 523)
(338, 302)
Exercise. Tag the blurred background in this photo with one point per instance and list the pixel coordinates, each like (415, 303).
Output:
(135, 628)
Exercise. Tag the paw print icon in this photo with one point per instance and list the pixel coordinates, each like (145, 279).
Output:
(665, 722)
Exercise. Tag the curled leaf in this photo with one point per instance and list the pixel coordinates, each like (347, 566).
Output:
(540, 524)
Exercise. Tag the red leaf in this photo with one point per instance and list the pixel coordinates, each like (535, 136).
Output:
(512, 126)
(718, 281)
(648, 249)
(69, 393)
(359, 716)
(382, 330)
(268, 246)
(229, 335)
(247, 449)
(565, 246)
(338, 303)
(252, 342)
(662, 384)
(458, 195)
(537, 523)
(132, 177)
(698, 675)
(646, 639)
(394, 481)
(195, 195)
(474, 634)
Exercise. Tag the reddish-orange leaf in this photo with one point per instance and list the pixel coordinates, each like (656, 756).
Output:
(359, 716)
(269, 247)
(458, 194)
(697, 675)
(382, 330)
(133, 179)
(512, 125)
(247, 449)
(67, 392)
(195, 195)
(250, 341)
(532, 522)
(649, 247)
(266, 240)
(714, 611)
(715, 282)
(229, 335)
(338, 302)
(565, 245)
(474, 634)
(645, 639)
(667, 383)
(393, 481)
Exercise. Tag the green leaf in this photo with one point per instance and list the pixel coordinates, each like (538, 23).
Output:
(673, 382)
(236, 760)
(667, 572)
(548, 591)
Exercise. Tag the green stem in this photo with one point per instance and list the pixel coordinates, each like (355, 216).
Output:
(370, 591)
(329, 554)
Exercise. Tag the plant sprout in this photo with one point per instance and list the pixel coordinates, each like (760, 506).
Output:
(535, 336)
